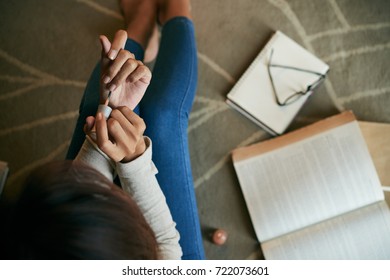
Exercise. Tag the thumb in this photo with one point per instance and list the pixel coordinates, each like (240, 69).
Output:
(105, 43)
(106, 46)
(104, 63)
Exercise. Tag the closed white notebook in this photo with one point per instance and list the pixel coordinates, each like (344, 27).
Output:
(253, 94)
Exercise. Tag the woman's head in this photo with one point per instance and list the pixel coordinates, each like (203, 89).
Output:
(68, 210)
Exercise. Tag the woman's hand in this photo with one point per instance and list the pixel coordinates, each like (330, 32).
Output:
(123, 75)
(121, 136)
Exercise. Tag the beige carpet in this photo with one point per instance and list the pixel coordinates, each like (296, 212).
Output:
(48, 49)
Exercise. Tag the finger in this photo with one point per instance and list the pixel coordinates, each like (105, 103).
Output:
(89, 123)
(105, 62)
(128, 67)
(102, 139)
(142, 73)
(116, 66)
(106, 45)
(86, 129)
(126, 125)
(125, 142)
(117, 44)
(133, 118)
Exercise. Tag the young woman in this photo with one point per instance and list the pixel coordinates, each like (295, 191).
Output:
(72, 209)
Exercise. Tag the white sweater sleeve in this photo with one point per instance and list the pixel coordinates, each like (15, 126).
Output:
(94, 157)
(138, 179)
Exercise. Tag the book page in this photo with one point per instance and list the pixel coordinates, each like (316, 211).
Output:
(361, 234)
(308, 181)
(386, 191)
(377, 137)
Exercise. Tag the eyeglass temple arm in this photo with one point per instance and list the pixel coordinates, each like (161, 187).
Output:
(297, 69)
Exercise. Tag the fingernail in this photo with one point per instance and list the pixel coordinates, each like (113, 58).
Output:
(99, 116)
(112, 87)
(106, 79)
(112, 54)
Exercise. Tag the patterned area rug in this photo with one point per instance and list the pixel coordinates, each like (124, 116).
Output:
(48, 49)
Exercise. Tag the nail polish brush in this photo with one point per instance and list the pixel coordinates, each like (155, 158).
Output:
(104, 108)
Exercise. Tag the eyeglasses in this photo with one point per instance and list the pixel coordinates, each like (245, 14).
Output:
(296, 95)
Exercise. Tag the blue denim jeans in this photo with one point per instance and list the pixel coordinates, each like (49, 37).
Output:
(165, 109)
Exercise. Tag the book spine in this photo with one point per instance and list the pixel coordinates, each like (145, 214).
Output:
(252, 118)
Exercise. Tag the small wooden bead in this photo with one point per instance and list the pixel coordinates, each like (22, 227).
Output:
(219, 237)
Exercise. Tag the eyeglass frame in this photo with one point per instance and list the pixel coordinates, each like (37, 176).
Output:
(297, 94)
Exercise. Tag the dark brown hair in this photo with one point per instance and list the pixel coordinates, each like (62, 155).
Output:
(68, 210)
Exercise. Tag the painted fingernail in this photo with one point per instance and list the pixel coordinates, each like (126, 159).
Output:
(106, 79)
(112, 87)
(112, 54)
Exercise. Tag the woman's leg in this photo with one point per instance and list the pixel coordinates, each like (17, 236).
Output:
(165, 109)
(90, 100)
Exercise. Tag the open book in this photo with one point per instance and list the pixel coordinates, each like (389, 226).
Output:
(294, 70)
(314, 193)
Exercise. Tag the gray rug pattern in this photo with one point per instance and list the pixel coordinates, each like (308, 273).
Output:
(48, 49)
